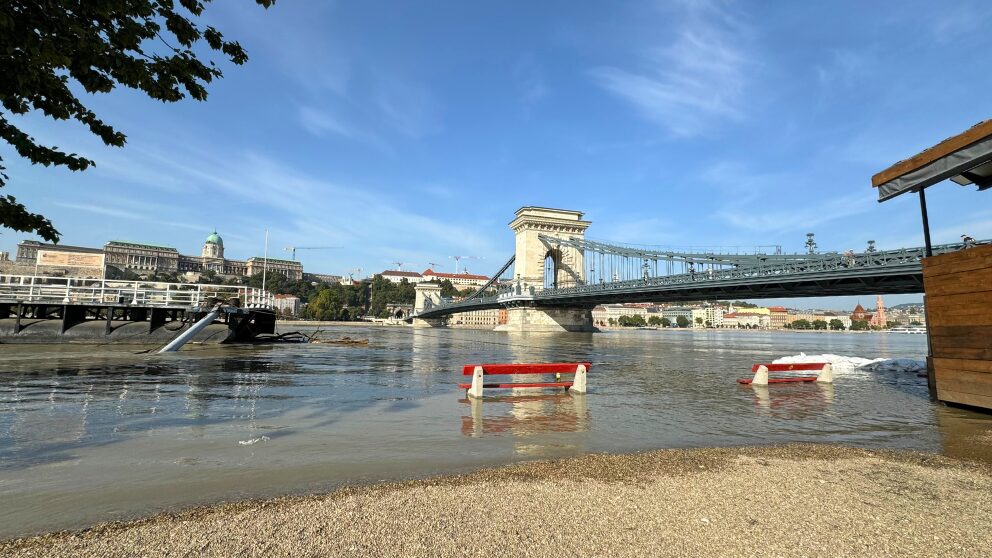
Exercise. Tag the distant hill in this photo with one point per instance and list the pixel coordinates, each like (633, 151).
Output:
(906, 306)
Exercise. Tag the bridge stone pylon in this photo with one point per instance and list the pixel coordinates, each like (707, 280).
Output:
(532, 252)
(428, 295)
(529, 269)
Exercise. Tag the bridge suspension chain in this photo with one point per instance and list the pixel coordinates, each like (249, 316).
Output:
(496, 279)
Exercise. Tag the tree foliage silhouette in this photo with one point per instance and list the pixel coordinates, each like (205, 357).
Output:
(51, 50)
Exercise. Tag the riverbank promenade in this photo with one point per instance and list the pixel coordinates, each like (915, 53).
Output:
(796, 500)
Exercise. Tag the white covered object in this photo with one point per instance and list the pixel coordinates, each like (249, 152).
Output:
(842, 363)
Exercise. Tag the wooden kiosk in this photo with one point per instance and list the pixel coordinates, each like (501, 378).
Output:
(957, 285)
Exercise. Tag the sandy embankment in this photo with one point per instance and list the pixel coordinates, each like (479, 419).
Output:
(795, 500)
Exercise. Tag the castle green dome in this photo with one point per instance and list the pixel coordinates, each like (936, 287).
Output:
(214, 238)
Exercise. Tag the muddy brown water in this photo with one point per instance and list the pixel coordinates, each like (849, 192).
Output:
(98, 433)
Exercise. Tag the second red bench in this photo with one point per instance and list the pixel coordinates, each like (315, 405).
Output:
(479, 371)
(761, 371)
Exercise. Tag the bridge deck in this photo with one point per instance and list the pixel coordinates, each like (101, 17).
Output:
(777, 276)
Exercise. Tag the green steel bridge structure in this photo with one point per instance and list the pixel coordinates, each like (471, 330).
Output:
(614, 273)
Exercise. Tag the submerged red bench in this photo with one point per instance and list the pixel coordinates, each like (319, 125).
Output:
(478, 371)
(761, 371)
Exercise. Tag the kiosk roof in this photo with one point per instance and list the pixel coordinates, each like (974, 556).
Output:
(965, 158)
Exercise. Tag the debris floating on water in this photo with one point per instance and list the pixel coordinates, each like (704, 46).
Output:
(343, 341)
(897, 365)
(253, 441)
(841, 362)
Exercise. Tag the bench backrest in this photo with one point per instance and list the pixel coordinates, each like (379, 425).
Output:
(548, 368)
(797, 366)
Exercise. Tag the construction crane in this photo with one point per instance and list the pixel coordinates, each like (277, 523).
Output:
(293, 249)
(357, 270)
(399, 265)
(434, 265)
(460, 258)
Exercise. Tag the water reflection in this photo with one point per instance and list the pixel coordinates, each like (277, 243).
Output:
(965, 435)
(90, 433)
(792, 401)
(523, 415)
(96, 405)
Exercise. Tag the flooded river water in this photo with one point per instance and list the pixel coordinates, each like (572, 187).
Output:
(90, 434)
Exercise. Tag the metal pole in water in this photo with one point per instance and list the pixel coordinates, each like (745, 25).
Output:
(178, 342)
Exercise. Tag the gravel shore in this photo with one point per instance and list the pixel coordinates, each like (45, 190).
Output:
(796, 500)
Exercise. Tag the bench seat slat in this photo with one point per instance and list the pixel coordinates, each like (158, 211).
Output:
(784, 367)
(521, 385)
(550, 368)
(781, 380)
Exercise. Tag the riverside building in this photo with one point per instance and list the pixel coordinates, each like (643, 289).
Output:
(398, 276)
(707, 316)
(778, 317)
(458, 280)
(55, 260)
(478, 319)
(143, 259)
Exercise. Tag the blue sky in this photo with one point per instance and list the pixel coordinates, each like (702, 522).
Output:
(412, 131)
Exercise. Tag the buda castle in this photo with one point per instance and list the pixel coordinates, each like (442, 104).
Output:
(142, 259)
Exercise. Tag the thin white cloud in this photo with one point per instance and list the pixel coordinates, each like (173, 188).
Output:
(775, 220)
(405, 106)
(773, 203)
(381, 107)
(302, 206)
(121, 213)
(297, 42)
(697, 79)
(380, 97)
(951, 22)
(320, 123)
(102, 210)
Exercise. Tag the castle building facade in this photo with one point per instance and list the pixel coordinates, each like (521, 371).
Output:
(148, 259)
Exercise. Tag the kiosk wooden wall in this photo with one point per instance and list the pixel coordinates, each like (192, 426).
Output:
(959, 318)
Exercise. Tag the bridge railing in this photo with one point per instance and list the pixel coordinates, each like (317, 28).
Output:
(797, 266)
(830, 262)
(65, 290)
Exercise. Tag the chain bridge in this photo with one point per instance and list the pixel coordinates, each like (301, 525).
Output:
(557, 275)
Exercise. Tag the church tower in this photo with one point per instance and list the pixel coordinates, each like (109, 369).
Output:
(213, 247)
(878, 319)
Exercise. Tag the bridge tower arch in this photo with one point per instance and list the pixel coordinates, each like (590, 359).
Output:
(531, 252)
(428, 295)
(551, 269)
(532, 256)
